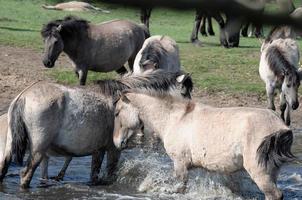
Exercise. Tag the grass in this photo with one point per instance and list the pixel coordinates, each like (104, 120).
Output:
(213, 68)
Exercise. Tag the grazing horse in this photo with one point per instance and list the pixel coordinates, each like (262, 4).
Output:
(197, 135)
(98, 47)
(74, 6)
(158, 52)
(278, 68)
(71, 121)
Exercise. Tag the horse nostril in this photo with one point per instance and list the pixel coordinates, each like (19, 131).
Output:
(295, 105)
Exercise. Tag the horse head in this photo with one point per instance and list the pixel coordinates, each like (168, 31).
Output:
(290, 86)
(126, 122)
(53, 46)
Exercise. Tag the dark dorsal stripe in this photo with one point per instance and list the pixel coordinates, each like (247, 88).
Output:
(278, 63)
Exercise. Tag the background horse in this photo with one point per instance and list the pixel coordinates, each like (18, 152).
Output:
(278, 68)
(197, 135)
(71, 122)
(74, 6)
(158, 52)
(103, 47)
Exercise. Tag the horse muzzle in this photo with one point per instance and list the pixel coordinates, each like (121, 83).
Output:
(295, 105)
(48, 63)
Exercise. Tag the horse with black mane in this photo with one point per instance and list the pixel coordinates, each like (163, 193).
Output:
(98, 47)
(55, 120)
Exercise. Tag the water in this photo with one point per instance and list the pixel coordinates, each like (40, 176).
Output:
(146, 174)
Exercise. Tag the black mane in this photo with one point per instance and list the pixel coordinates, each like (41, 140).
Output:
(157, 80)
(71, 26)
(280, 32)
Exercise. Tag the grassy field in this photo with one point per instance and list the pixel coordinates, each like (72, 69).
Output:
(213, 68)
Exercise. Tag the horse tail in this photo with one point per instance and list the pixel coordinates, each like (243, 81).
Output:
(17, 137)
(275, 149)
(146, 30)
(49, 7)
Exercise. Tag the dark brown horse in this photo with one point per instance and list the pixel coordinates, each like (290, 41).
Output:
(98, 47)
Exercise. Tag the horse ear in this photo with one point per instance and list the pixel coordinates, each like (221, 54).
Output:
(182, 78)
(59, 28)
(124, 98)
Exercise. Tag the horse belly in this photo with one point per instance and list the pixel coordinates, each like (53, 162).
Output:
(225, 157)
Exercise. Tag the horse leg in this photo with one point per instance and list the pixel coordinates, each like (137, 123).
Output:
(121, 70)
(44, 167)
(96, 163)
(113, 155)
(61, 174)
(266, 183)
(210, 26)
(270, 91)
(202, 28)
(82, 75)
(245, 29)
(194, 35)
(4, 165)
(32, 165)
(181, 173)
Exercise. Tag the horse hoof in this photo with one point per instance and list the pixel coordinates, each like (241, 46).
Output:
(56, 178)
(197, 43)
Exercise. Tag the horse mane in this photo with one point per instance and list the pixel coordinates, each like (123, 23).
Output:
(282, 32)
(71, 26)
(157, 81)
(153, 51)
(278, 62)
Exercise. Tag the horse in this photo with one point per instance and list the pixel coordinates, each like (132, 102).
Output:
(158, 52)
(44, 162)
(278, 69)
(74, 6)
(103, 47)
(53, 119)
(198, 135)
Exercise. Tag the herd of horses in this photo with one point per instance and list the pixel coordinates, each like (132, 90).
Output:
(48, 119)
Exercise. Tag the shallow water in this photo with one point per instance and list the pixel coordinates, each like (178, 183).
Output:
(146, 174)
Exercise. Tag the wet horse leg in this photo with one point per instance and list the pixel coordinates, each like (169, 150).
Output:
(181, 173)
(27, 174)
(96, 163)
(44, 167)
(113, 155)
(61, 174)
(194, 35)
(4, 166)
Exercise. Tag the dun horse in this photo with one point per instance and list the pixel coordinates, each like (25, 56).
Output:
(98, 47)
(64, 121)
(278, 68)
(197, 135)
(158, 52)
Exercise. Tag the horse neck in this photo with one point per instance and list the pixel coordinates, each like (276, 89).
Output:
(156, 114)
(74, 46)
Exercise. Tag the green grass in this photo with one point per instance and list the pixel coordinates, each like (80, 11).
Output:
(213, 68)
